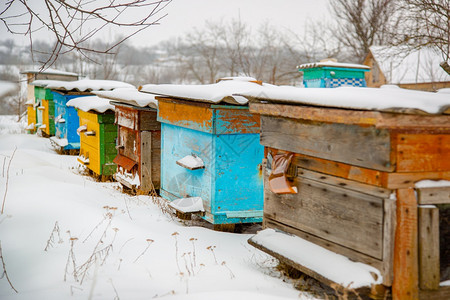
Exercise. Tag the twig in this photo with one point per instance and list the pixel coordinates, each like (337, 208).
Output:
(231, 273)
(4, 270)
(149, 241)
(176, 250)
(115, 291)
(126, 205)
(7, 179)
(211, 248)
(51, 238)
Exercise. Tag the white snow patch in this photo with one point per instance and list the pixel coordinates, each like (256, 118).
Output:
(432, 183)
(335, 267)
(48, 71)
(445, 283)
(59, 142)
(223, 91)
(188, 205)
(91, 103)
(83, 85)
(130, 96)
(191, 162)
(355, 98)
(132, 179)
(333, 64)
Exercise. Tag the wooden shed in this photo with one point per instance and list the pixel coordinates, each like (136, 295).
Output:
(97, 134)
(138, 139)
(210, 151)
(344, 183)
(66, 118)
(329, 73)
(417, 70)
(32, 103)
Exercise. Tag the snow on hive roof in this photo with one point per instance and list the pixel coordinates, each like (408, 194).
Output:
(49, 71)
(333, 64)
(130, 96)
(91, 103)
(383, 99)
(86, 85)
(400, 66)
(223, 91)
(43, 82)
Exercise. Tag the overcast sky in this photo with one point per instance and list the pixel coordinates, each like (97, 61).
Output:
(184, 15)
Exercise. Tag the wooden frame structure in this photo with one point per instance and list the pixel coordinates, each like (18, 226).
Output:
(355, 172)
(139, 146)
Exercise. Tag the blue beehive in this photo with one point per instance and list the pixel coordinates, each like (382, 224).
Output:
(66, 122)
(331, 74)
(211, 153)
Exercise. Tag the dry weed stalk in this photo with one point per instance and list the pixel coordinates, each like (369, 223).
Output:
(5, 273)
(149, 241)
(175, 234)
(7, 179)
(51, 239)
(193, 250)
(211, 248)
(115, 291)
(231, 273)
(107, 216)
(126, 205)
(71, 258)
(97, 254)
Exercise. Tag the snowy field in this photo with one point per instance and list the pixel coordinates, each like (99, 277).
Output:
(65, 236)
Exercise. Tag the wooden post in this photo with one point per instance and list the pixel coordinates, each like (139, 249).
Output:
(429, 248)
(406, 277)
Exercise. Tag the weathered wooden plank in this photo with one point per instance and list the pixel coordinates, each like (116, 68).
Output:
(191, 116)
(442, 293)
(423, 152)
(348, 218)
(128, 138)
(389, 223)
(147, 120)
(350, 253)
(366, 147)
(363, 175)
(408, 179)
(406, 277)
(355, 117)
(437, 195)
(126, 117)
(146, 161)
(429, 277)
(229, 121)
(345, 183)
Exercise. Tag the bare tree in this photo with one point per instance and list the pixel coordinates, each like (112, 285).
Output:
(73, 22)
(363, 23)
(425, 23)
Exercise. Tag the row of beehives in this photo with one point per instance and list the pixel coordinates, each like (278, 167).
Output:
(341, 177)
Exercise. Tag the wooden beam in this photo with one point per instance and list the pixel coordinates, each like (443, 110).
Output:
(406, 277)
(437, 195)
(389, 223)
(392, 121)
(429, 276)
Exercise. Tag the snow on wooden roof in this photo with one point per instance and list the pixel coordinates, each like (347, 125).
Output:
(401, 67)
(49, 71)
(223, 91)
(130, 96)
(332, 64)
(90, 103)
(328, 264)
(382, 99)
(84, 85)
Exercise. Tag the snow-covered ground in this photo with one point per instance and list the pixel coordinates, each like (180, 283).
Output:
(65, 236)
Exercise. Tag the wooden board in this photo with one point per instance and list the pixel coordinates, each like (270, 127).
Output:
(228, 121)
(393, 121)
(437, 195)
(406, 277)
(423, 152)
(147, 180)
(148, 121)
(126, 117)
(348, 218)
(429, 277)
(366, 147)
(129, 140)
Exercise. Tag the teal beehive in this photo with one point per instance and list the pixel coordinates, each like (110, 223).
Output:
(331, 74)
